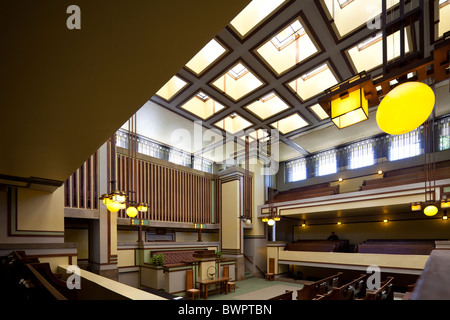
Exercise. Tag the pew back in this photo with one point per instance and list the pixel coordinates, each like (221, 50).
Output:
(385, 292)
(285, 296)
(349, 291)
(321, 287)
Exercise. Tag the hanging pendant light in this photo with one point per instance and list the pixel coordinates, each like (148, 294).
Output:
(405, 108)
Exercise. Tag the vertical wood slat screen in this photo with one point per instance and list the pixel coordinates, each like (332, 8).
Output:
(172, 195)
(81, 188)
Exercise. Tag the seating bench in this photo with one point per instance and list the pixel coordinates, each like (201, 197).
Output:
(341, 245)
(176, 258)
(321, 287)
(352, 290)
(385, 292)
(413, 249)
(319, 190)
(285, 296)
(329, 246)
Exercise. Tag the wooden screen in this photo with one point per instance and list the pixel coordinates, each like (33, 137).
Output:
(172, 195)
(81, 188)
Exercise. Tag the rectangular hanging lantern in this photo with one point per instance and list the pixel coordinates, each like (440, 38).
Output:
(348, 102)
(349, 108)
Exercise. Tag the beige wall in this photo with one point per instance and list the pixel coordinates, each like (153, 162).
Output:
(230, 213)
(80, 236)
(37, 218)
(40, 211)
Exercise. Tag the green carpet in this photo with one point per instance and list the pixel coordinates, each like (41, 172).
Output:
(256, 289)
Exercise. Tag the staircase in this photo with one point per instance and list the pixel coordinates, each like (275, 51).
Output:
(248, 274)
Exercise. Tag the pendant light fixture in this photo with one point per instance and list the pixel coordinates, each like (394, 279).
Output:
(405, 108)
(118, 200)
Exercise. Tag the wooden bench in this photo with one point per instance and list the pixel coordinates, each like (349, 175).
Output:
(355, 289)
(285, 296)
(329, 246)
(28, 279)
(321, 287)
(341, 245)
(306, 192)
(406, 176)
(412, 249)
(385, 292)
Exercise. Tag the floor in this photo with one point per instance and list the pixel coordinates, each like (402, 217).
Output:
(261, 289)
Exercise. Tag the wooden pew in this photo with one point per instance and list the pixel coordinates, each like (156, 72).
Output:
(328, 246)
(386, 291)
(341, 245)
(382, 248)
(54, 280)
(406, 176)
(285, 296)
(355, 289)
(321, 287)
(319, 190)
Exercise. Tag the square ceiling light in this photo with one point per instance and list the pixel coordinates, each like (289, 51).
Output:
(313, 82)
(319, 112)
(233, 123)
(206, 57)
(237, 82)
(288, 48)
(202, 106)
(289, 124)
(346, 16)
(172, 88)
(368, 54)
(267, 106)
(255, 13)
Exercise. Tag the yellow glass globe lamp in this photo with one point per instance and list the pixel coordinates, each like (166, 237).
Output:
(430, 210)
(113, 206)
(271, 222)
(405, 108)
(132, 212)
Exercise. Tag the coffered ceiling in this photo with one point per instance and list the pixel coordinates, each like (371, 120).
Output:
(267, 69)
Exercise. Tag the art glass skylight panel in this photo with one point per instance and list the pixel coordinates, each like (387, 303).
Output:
(210, 53)
(288, 48)
(267, 106)
(202, 106)
(347, 16)
(253, 15)
(368, 54)
(233, 123)
(289, 124)
(237, 82)
(319, 112)
(313, 82)
(172, 88)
